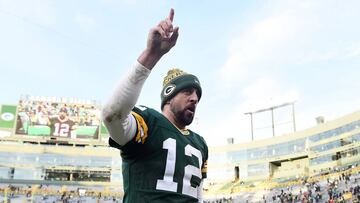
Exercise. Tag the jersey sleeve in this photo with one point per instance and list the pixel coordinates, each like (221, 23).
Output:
(142, 118)
(205, 163)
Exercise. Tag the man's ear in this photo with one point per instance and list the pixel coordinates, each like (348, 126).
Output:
(169, 101)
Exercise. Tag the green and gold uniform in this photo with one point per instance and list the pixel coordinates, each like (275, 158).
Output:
(161, 163)
(61, 128)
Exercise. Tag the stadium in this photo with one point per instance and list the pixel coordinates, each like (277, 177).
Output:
(46, 161)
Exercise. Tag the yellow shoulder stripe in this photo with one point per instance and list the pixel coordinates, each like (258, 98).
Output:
(142, 129)
(204, 168)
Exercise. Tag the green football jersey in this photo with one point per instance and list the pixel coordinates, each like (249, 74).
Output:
(161, 164)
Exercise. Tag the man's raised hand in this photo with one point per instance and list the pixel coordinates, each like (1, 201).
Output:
(160, 40)
(164, 36)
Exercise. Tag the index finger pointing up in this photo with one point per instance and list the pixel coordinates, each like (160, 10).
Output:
(171, 14)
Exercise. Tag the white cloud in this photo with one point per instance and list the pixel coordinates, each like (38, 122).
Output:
(296, 32)
(265, 93)
(260, 43)
(260, 94)
(354, 50)
(289, 34)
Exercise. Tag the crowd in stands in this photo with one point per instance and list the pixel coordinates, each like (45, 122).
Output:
(338, 187)
(47, 193)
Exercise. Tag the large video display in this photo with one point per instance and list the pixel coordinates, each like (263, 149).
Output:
(55, 117)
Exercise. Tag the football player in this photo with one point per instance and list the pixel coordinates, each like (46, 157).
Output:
(61, 125)
(162, 160)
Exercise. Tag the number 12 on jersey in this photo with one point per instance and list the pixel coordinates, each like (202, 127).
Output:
(168, 183)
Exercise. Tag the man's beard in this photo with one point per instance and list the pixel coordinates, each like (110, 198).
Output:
(182, 117)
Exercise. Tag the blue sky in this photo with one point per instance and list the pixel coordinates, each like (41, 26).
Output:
(248, 55)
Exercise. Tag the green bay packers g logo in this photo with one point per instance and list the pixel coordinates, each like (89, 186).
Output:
(7, 116)
(169, 89)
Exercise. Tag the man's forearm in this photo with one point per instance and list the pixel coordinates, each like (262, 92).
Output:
(116, 112)
(126, 93)
(149, 59)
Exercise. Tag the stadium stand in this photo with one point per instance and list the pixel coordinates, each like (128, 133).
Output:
(248, 171)
(318, 164)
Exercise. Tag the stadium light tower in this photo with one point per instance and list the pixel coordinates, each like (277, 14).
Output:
(272, 108)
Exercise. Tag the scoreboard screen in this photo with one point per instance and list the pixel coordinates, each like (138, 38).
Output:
(55, 118)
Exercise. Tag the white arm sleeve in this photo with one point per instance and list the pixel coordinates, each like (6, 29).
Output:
(116, 112)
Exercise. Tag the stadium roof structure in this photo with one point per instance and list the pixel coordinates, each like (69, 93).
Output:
(272, 108)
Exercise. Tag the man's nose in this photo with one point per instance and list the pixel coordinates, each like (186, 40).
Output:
(194, 97)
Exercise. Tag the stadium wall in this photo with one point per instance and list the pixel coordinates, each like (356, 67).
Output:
(317, 150)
